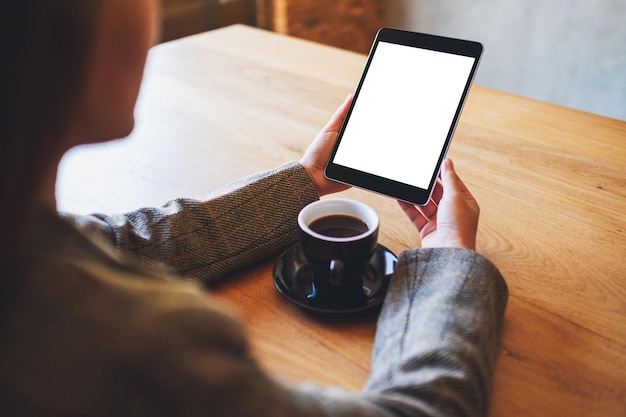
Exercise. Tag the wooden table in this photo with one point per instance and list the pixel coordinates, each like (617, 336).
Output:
(551, 183)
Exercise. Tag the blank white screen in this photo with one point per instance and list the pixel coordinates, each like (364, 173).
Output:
(403, 113)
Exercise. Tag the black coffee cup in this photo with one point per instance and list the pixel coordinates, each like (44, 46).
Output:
(338, 238)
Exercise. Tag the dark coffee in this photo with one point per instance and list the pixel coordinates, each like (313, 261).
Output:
(339, 225)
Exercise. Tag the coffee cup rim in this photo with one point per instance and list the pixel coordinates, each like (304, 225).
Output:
(372, 220)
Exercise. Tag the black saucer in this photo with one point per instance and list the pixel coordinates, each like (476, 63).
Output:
(293, 278)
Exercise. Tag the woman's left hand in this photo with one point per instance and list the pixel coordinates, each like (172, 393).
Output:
(316, 156)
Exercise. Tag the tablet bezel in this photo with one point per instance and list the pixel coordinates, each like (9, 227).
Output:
(385, 186)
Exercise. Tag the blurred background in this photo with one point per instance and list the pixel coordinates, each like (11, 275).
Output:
(568, 52)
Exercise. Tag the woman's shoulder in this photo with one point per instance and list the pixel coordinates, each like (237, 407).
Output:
(80, 323)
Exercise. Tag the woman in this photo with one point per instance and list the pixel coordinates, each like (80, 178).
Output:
(89, 326)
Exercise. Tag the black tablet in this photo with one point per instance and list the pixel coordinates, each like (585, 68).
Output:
(404, 112)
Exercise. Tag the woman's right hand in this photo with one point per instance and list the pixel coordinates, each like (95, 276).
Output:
(450, 219)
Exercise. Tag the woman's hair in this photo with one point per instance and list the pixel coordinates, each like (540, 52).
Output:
(45, 47)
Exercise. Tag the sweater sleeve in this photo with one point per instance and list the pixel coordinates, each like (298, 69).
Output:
(436, 343)
(437, 336)
(111, 341)
(202, 240)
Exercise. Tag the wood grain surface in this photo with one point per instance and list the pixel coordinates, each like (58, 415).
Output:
(551, 183)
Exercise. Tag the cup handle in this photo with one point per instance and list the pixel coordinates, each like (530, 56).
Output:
(336, 272)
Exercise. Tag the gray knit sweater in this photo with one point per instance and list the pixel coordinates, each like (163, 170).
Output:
(96, 328)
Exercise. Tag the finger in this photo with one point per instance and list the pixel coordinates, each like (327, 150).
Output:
(437, 192)
(429, 210)
(452, 182)
(415, 216)
(336, 120)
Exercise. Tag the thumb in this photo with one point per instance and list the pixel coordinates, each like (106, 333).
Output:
(449, 177)
(452, 184)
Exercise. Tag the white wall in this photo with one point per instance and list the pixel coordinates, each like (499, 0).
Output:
(570, 52)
